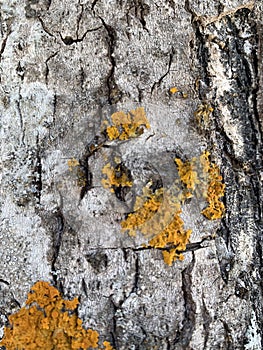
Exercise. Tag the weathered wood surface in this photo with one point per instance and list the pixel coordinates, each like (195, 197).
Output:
(62, 64)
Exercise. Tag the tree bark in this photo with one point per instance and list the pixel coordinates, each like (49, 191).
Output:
(65, 66)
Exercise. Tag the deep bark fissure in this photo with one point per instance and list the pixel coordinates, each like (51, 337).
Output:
(141, 12)
(207, 319)
(56, 241)
(114, 94)
(3, 46)
(184, 335)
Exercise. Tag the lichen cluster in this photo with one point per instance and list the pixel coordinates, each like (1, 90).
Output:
(127, 125)
(156, 214)
(48, 322)
(215, 191)
(159, 213)
(117, 176)
(145, 208)
(202, 176)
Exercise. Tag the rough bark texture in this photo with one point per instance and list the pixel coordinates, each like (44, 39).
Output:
(64, 65)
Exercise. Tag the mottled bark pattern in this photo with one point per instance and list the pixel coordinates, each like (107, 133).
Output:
(64, 65)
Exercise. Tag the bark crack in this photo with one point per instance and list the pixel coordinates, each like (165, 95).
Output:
(44, 27)
(191, 247)
(114, 94)
(141, 10)
(94, 3)
(3, 45)
(18, 105)
(47, 67)
(185, 334)
(207, 319)
(79, 19)
(158, 83)
(57, 240)
(38, 172)
(68, 40)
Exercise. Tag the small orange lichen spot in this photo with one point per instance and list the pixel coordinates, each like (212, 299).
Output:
(107, 346)
(72, 163)
(173, 90)
(44, 323)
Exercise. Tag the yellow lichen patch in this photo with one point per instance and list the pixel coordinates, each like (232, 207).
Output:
(139, 117)
(144, 211)
(115, 177)
(160, 218)
(215, 191)
(158, 214)
(125, 126)
(204, 161)
(200, 174)
(113, 132)
(45, 323)
(107, 345)
(119, 118)
(188, 175)
(72, 163)
(173, 235)
(173, 90)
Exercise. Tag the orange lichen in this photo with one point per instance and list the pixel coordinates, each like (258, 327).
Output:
(48, 322)
(116, 177)
(173, 90)
(174, 235)
(107, 345)
(144, 210)
(152, 214)
(125, 126)
(216, 189)
(201, 173)
(120, 118)
(188, 175)
(159, 216)
(72, 163)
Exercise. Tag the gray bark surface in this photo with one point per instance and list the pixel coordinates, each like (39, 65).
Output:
(64, 65)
